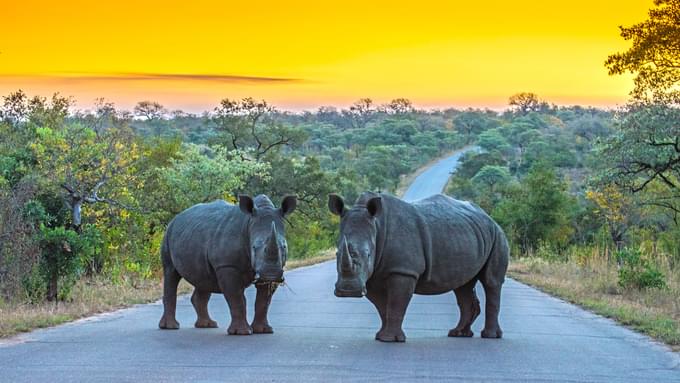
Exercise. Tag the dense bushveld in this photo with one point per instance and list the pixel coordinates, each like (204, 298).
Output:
(89, 193)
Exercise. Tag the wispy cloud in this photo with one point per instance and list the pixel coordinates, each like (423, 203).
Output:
(115, 77)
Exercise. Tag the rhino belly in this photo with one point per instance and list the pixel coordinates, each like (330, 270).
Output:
(452, 267)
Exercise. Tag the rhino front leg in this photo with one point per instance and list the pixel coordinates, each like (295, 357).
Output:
(171, 279)
(468, 304)
(379, 300)
(262, 300)
(230, 282)
(199, 299)
(399, 292)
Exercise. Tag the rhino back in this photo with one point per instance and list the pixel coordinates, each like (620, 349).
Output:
(204, 238)
(462, 236)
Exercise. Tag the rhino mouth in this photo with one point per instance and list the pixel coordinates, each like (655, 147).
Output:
(349, 293)
(265, 281)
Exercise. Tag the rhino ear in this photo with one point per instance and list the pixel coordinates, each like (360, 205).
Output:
(246, 204)
(374, 206)
(336, 204)
(288, 205)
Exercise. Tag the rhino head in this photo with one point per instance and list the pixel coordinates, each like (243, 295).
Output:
(356, 250)
(268, 248)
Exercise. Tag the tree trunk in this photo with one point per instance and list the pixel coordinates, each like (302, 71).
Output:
(76, 206)
(52, 289)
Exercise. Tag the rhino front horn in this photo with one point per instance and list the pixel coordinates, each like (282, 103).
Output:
(273, 253)
(345, 257)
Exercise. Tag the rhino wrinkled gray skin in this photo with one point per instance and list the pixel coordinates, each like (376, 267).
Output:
(222, 248)
(390, 249)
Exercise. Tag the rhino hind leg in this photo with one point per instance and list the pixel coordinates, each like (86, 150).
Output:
(468, 305)
(492, 277)
(171, 279)
(230, 282)
(379, 300)
(493, 303)
(262, 300)
(399, 293)
(199, 299)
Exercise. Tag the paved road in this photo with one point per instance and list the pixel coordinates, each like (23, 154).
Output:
(434, 179)
(321, 338)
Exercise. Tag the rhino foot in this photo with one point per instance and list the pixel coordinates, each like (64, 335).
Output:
(390, 336)
(262, 328)
(205, 323)
(492, 333)
(168, 323)
(458, 333)
(239, 329)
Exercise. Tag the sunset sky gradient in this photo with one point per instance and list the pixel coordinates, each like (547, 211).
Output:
(304, 54)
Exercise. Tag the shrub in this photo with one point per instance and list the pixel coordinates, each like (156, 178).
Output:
(638, 272)
(59, 261)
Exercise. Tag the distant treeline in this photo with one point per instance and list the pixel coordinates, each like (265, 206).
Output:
(91, 192)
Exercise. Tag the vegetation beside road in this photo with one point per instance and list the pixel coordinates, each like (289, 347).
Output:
(594, 286)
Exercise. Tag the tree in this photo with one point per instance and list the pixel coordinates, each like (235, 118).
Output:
(471, 122)
(536, 211)
(398, 106)
(524, 102)
(221, 175)
(491, 175)
(249, 124)
(615, 207)
(361, 112)
(646, 148)
(84, 163)
(655, 54)
(493, 140)
(153, 113)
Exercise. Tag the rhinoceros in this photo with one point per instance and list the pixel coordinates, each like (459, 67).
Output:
(222, 248)
(389, 249)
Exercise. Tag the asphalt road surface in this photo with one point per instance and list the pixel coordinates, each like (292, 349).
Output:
(434, 179)
(321, 338)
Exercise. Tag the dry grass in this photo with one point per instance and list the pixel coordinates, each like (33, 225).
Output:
(593, 284)
(326, 255)
(90, 296)
(94, 296)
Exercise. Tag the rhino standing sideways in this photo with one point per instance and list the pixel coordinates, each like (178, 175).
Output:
(390, 249)
(222, 248)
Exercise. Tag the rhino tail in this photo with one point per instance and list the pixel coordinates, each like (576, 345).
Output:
(426, 240)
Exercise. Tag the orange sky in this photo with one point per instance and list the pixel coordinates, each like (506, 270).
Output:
(302, 54)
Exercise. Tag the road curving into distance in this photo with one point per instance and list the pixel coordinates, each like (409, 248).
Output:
(321, 338)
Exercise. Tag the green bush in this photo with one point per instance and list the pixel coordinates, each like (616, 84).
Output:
(59, 260)
(638, 272)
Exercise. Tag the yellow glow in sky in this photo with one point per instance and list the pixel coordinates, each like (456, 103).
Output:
(304, 54)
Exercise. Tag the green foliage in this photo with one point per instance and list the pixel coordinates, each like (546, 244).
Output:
(637, 271)
(490, 176)
(204, 174)
(492, 140)
(646, 148)
(538, 210)
(59, 260)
